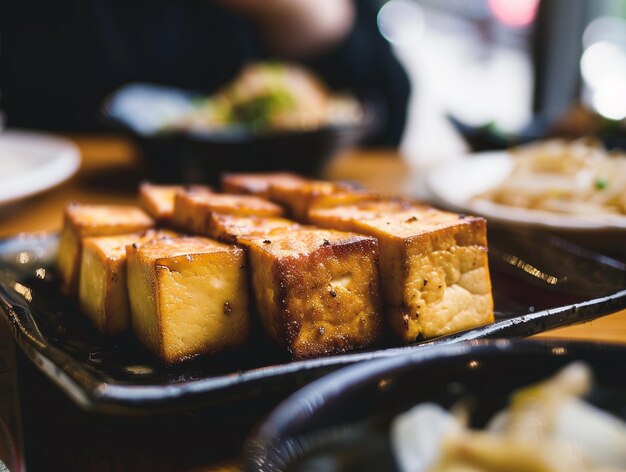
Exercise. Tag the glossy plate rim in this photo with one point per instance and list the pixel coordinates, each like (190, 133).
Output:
(93, 394)
(456, 182)
(62, 161)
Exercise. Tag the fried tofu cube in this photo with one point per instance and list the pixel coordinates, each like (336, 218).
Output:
(257, 183)
(102, 291)
(188, 296)
(158, 200)
(433, 264)
(192, 210)
(229, 228)
(298, 198)
(81, 221)
(317, 291)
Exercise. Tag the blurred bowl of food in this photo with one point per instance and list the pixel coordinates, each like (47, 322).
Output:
(489, 136)
(480, 406)
(272, 116)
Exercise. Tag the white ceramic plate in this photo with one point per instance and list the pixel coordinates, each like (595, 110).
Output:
(31, 162)
(456, 183)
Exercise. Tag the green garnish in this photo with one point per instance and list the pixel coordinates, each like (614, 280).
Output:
(259, 111)
(601, 183)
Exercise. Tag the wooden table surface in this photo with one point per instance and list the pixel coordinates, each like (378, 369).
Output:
(111, 170)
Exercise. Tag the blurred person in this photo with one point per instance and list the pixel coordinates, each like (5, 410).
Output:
(59, 60)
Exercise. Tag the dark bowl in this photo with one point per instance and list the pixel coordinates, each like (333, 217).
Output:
(193, 156)
(341, 421)
(489, 138)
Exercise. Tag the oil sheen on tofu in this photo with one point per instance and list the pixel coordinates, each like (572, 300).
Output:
(433, 264)
(317, 291)
(258, 183)
(188, 296)
(81, 221)
(102, 291)
(158, 200)
(193, 210)
(299, 197)
(229, 228)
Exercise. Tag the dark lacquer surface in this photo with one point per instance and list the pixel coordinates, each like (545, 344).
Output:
(342, 421)
(539, 283)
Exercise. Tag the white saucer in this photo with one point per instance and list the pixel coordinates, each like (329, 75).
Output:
(31, 162)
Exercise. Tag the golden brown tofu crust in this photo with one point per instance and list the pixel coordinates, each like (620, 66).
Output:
(193, 211)
(172, 274)
(341, 197)
(347, 216)
(229, 228)
(83, 220)
(317, 292)
(257, 183)
(300, 198)
(158, 200)
(433, 264)
(103, 296)
(103, 220)
(297, 197)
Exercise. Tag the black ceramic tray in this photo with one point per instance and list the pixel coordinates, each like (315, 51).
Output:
(539, 283)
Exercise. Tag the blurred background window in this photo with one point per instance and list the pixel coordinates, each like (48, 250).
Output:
(506, 64)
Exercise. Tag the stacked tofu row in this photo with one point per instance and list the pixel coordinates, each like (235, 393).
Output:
(433, 264)
(327, 280)
(181, 295)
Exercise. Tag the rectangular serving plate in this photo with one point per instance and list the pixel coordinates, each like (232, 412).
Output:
(539, 283)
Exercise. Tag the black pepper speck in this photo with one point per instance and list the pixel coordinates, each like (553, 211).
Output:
(227, 308)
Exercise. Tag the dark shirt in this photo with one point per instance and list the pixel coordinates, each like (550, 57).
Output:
(60, 59)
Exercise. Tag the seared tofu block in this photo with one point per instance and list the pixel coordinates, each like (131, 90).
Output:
(188, 296)
(158, 200)
(81, 221)
(299, 198)
(102, 291)
(229, 228)
(433, 264)
(317, 291)
(193, 210)
(257, 183)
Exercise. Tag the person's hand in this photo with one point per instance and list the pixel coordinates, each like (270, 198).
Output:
(297, 28)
